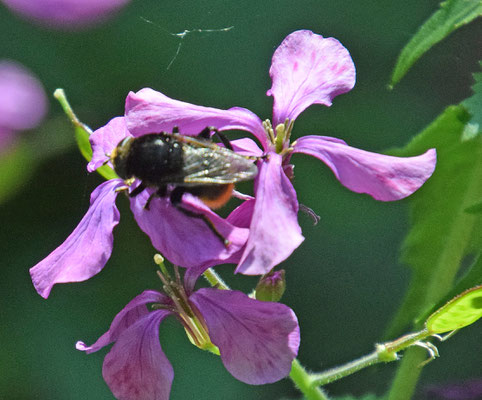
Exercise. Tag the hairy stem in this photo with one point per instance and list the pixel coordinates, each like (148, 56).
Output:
(304, 383)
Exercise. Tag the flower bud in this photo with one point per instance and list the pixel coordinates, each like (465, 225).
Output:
(271, 286)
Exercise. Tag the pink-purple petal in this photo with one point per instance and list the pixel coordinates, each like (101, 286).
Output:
(274, 230)
(257, 340)
(104, 140)
(246, 147)
(148, 111)
(129, 315)
(184, 240)
(385, 178)
(242, 215)
(85, 252)
(136, 368)
(308, 69)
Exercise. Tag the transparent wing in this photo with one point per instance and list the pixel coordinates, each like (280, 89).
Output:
(204, 165)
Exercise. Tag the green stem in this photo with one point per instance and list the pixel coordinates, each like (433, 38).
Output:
(345, 370)
(215, 280)
(385, 352)
(407, 375)
(303, 381)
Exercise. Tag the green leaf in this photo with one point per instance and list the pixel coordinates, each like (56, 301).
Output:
(474, 106)
(442, 234)
(474, 209)
(458, 313)
(82, 137)
(472, 278)
(451, 15)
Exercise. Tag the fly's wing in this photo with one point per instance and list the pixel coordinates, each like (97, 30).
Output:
(216, 165)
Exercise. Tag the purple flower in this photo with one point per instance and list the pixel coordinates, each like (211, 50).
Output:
(257, 341)
(23, 103)
(306, 69)
(264, 230)
(66, 14)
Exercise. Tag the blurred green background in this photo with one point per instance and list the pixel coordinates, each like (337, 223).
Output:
(344, 282)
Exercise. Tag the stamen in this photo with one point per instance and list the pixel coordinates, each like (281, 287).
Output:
(269, 130)
(289, 128)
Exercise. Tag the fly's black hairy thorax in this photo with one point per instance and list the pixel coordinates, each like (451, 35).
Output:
(155, 157)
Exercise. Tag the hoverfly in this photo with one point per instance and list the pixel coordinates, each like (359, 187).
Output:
(174, 164)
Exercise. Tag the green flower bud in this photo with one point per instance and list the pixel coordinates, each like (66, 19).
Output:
(271, 286)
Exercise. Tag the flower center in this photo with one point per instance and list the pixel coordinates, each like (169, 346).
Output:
(189, 316)
(279, 137)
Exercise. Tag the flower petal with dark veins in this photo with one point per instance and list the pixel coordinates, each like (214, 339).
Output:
(185, 240)
(308, 69)
(385, 178)
(85, 252)
(274, 229)
(257, 340)
(148, 111)
(129, 315)
(136, 368)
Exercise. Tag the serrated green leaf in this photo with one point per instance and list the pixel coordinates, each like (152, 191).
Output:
(441, 233)
(451, 15)
(458, 313)
(474, 106)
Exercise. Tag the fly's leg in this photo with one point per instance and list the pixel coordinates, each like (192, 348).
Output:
(206, 134)
(176, 200)
(161, 192)
(137, 190)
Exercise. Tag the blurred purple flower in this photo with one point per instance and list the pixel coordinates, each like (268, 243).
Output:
(257, 341)
(306, 69)
(470, 390)
(23, 103)
(66, 14)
